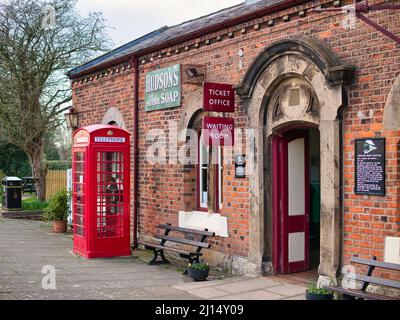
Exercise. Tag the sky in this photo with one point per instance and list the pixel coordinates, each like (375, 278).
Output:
(131, 19)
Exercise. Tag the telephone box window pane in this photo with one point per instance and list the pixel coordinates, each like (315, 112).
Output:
(79, 220)
(78, 194)
(78, 231)
(79, 188)
(80, 199)
(110, 215)
(79, 210)
(78, 156)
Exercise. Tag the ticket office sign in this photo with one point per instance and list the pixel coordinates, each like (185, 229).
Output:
(218, 97)
(370, 166)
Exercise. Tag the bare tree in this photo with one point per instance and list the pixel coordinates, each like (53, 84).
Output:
(64, 143)
(39, 42)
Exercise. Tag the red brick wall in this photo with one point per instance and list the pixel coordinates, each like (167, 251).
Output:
(166, 189)
(109, 88)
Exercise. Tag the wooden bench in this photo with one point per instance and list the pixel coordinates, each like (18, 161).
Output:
(28, 184)
(367, 279)
(192, 255)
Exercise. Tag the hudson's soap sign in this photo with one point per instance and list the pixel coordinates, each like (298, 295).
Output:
(163, 88)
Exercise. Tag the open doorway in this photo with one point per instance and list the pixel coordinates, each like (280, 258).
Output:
(296, 199)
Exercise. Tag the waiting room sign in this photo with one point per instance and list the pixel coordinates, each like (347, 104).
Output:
(163, 88)
(218, 131)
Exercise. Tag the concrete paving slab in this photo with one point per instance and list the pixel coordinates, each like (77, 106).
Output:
(252, 295)
(207, 292)
(287, 290)
(201, 284)
(7, 296)
(299, 297)
(247, 285)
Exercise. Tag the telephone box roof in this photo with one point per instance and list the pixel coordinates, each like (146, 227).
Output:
(96, 127)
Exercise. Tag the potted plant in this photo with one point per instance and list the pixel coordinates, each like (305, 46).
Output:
(57, 211)
(316, 293)
(198, 271)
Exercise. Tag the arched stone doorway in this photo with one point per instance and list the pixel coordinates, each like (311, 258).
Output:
(296, 82)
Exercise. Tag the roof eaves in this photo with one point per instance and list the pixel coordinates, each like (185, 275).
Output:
(106, 56)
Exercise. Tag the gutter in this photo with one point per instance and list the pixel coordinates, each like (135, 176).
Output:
(195, 34)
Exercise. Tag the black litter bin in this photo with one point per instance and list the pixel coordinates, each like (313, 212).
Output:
(12, 193)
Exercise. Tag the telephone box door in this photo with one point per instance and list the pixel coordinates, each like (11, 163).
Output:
(111, 219)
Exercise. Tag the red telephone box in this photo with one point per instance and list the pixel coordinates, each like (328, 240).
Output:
(101, 183)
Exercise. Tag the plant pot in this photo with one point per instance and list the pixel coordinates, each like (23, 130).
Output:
(59, 226)
(198, 275)
(316, 296)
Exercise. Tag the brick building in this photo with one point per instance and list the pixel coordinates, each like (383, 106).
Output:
(308, 85)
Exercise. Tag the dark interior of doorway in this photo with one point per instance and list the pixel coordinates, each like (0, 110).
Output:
(315, 197)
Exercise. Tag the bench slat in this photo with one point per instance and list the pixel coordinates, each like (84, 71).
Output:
(184, 241)
(359, 293)
(186, 230)
(369, 262)
(380, 281)
(158, 246)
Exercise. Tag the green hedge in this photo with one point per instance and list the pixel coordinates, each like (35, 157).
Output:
(32, 204)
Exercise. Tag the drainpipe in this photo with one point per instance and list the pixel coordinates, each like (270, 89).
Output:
(135, 151)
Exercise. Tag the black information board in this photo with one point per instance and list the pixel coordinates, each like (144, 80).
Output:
(370, 166)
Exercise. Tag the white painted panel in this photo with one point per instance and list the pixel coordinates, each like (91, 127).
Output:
(296, 177)
(296, 246)
(392, 250)
(200, 220)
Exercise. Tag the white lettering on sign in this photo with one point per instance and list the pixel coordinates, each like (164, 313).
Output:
(219, 126)
(219, 102)
(110, 139)
(221, 93)
(82, 140)
(164, 80)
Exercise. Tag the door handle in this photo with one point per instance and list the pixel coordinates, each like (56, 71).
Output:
(307, 217)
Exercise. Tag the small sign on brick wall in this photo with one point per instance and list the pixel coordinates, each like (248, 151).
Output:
(370, 166)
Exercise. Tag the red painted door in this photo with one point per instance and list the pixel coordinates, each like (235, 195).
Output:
(291, 201)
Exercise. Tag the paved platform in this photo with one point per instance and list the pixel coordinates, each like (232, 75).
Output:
(27, 246)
